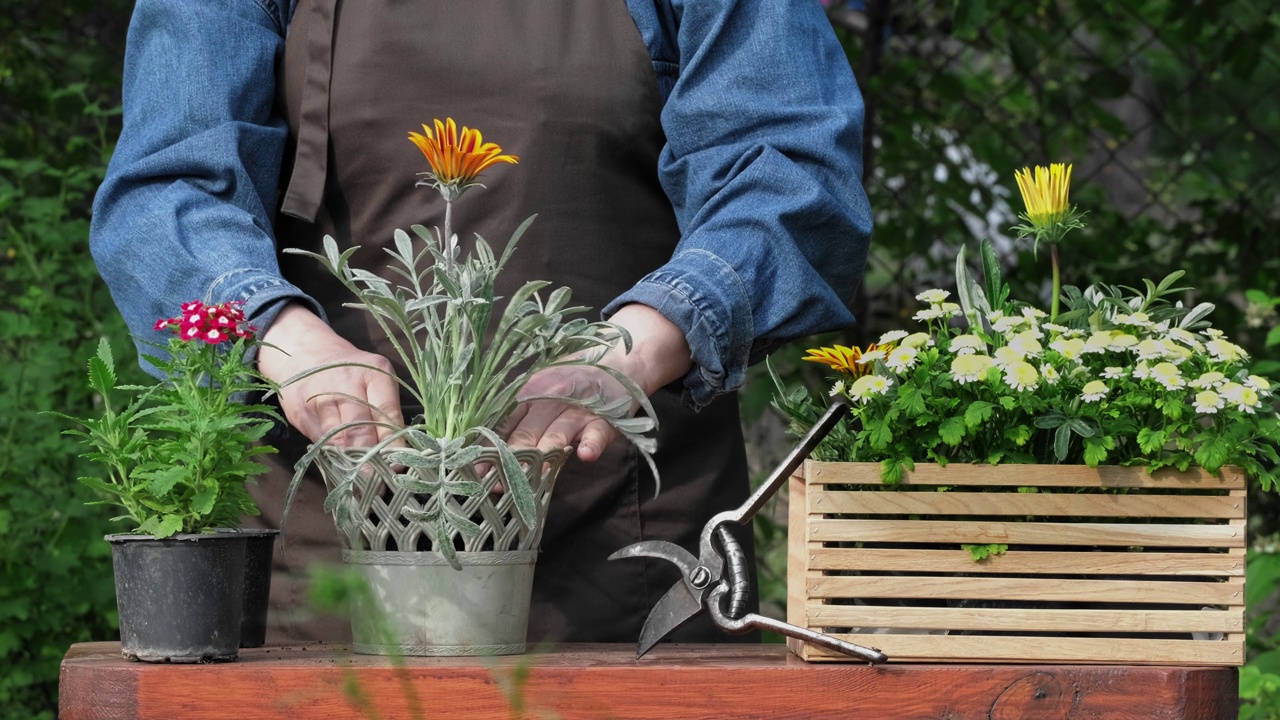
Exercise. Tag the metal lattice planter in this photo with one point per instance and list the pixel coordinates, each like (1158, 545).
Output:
(418, 604)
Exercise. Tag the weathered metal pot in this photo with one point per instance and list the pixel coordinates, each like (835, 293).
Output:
(416, 603)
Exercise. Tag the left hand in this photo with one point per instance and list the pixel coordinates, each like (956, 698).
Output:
(659, 355)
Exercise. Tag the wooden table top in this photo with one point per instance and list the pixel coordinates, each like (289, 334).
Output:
(606, 681)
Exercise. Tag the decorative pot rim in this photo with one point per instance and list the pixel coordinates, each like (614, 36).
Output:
(433, 558)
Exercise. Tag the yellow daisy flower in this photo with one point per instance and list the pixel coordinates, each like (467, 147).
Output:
(842, 359)
(1045, 193)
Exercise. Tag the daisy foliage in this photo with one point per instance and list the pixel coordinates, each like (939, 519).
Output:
(1123, 376)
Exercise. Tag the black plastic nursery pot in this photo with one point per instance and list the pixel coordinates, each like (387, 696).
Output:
(258, 554)
(181, 598)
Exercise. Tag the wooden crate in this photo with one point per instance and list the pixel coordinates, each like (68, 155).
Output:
(1089, 577)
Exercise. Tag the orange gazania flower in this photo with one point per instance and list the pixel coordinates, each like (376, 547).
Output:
(456, 159)
(841, 358)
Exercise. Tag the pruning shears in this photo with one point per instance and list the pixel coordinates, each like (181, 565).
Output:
(717, 579)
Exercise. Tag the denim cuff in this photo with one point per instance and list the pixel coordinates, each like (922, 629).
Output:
(702, 295)
(263, 296)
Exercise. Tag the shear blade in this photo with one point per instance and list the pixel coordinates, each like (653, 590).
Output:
(662, 549)
(676, 608)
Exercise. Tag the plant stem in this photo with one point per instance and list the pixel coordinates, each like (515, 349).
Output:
(1057, 283)
(448, 235)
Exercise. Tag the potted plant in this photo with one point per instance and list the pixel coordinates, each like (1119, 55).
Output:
(1017, 484)
(442, 516)
(178, 455)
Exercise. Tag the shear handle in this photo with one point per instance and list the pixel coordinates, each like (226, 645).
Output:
(752, 621)
(743, 514)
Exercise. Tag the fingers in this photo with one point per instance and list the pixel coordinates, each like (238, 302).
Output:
(548, 425)
(384, 395)
(596, 436)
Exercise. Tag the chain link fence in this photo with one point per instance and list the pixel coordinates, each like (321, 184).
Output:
(1168, 109)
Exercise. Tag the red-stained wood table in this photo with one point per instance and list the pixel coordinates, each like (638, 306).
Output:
(606, 681)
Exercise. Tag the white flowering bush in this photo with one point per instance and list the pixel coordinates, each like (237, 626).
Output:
(1123, 377)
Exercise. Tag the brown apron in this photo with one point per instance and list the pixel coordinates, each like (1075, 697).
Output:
(568, 86)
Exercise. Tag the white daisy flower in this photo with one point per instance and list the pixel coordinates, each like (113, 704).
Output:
(970, 368)
(918, 340)
(1137, 319)
(1244, 398)
(1033, 314)
(1213, 333)
(1122, 341)
(1209, 381)
(1141, 371)
(1175, 352)
(1259, 383)
(1049, 373)
(951, 309)
(1114, 373)
(869, 385)
(892, 337)
(1021, 376)
(965, 344)
(1007, 356)
(1098, 342)
(1225, 351)
(1007, 324)
(1168, 375)
(933, 296)
(1184, 337)
(1150, 349)
(1069, 348)
(1094, 390)
(933, 312)
(837, 389)
(871, 356)
(1026, 343)
(1208, 402)
(1055, 327)
(902, 358)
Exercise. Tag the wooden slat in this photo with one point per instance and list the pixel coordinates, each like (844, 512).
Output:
(931, 648)
(1026, 504)
(1017, 561)
(1033, 589)
(1005, 619)
(825, 473)
(797, 555)
(1026, 533)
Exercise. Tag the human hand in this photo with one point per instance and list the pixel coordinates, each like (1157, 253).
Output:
(298, 341)
(659, 355)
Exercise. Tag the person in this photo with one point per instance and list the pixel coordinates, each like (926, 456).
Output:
(697, 173)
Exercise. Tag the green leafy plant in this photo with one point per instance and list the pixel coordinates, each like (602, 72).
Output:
(179, 453)
(1124, 376)
(466, 361)
(1127, 378)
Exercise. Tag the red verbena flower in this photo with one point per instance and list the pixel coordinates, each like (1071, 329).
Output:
(212, 324)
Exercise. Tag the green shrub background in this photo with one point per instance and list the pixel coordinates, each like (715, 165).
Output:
(1011, 82)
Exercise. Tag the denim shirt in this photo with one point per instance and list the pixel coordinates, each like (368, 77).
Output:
(762, 165)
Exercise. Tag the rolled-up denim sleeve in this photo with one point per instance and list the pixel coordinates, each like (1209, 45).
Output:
(185, 211)
(763, 167)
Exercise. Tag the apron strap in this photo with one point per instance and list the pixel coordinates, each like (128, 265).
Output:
(311, 162)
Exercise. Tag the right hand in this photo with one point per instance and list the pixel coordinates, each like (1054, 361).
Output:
(298, 341)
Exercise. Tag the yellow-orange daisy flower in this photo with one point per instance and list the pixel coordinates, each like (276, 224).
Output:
(456, 159)
(841, 358)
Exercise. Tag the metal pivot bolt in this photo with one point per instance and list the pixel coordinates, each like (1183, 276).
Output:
(700, 577)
